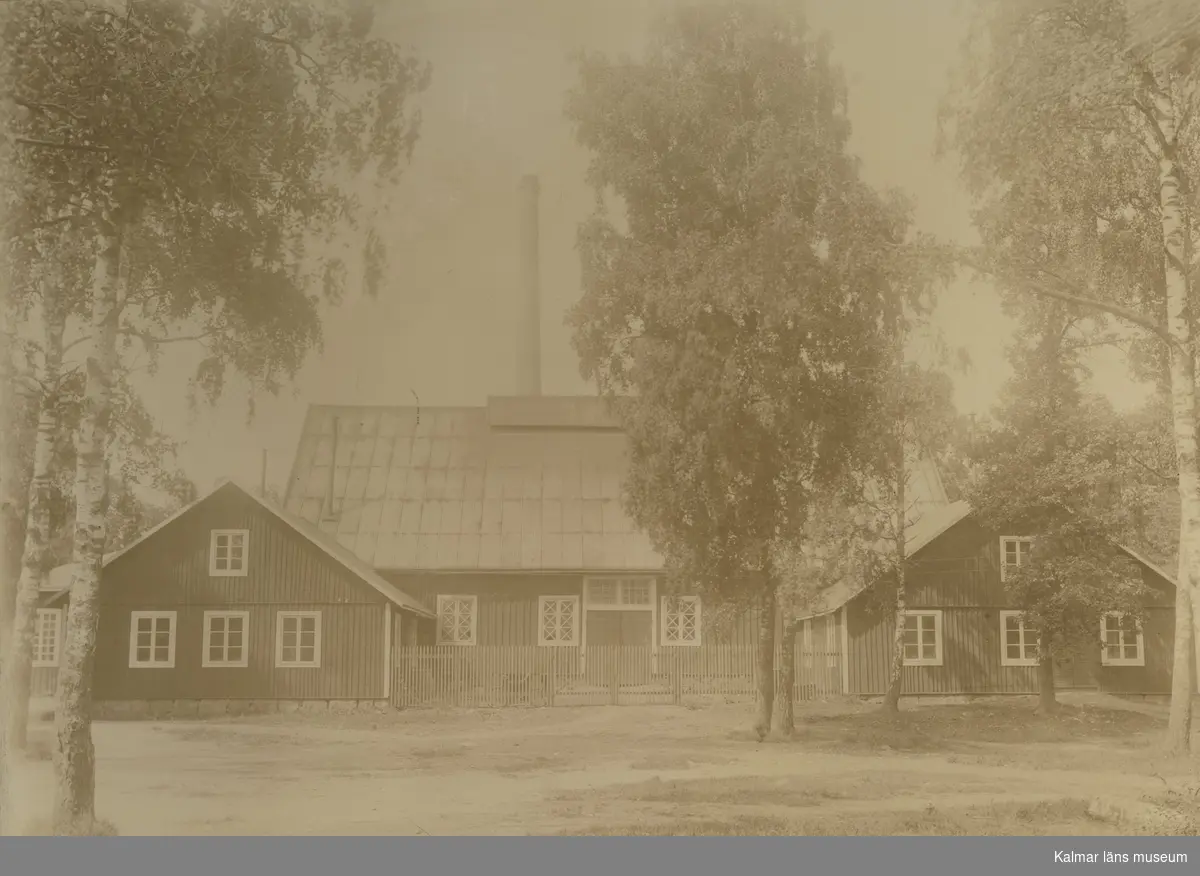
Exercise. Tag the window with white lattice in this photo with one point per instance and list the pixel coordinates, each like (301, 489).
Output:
(225, 639)
(456, 620)
(1123, 642)
(47, 635)
(152, 640)
(558, 620)
(1019, 640)
(922, 638)
(227, 552)
(1014, 552)
(298, 640)
(681, 620)
(619, 593)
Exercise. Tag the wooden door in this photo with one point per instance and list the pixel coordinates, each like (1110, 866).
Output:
(623, 642)
(624, 628)
(1074, 668)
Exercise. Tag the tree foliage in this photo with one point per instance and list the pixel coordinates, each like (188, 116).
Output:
(1056, 467)
(742, 314)
(1079, 147)
(204, 151)
(220, 136)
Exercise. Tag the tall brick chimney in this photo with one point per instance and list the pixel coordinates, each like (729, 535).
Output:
(529, 294)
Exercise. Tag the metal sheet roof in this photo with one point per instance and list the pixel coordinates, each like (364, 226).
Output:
(522, 484)
(933, 522)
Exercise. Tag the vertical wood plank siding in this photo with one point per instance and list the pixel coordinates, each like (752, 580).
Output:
(508, 605)
(959, 574)
(351, 658)
(169, 572)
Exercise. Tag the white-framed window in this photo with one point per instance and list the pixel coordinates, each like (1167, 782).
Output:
(619, 594)
(225, 639)
(456, 619)
(558, 620)
(1018, 640)
(1124, 644)
(152, 640)
(47, 636)
(680, 620)
(1014, 551)
(228, 551)
(298, 640)
(922, 638)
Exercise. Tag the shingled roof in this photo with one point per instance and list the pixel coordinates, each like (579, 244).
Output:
(523, 484)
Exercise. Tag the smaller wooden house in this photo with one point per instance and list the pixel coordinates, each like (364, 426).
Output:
(235, 603)
(963, 637)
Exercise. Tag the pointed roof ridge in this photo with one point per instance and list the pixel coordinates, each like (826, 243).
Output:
(322, 541)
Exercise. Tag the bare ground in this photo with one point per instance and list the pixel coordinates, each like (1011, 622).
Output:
(987, 767)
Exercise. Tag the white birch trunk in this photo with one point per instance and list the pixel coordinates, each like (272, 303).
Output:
(1179, 724)
(891, 699)
(1175, 233)
(8, 467)
(16, 672)
(74, 756)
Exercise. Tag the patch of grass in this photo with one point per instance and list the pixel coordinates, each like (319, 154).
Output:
(741, 791)
(795, 791)
(1067, 817)
(750, 825)
(939, 728)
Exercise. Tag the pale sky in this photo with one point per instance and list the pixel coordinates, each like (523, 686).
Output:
(442, 327)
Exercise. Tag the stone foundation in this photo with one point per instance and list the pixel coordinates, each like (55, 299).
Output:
(161, 710)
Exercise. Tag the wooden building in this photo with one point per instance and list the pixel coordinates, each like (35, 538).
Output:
(963, 636)
(506, 521)
(232, 600)
(457, 547)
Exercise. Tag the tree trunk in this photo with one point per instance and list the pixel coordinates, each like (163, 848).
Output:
(1047, 696)
(1179, 723)
(891, 700)
(74, 761)
(786, 712)
(766, 657)
(1175, 226)
(8, 448)
(16, 673)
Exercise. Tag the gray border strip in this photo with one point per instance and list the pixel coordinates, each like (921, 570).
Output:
(585, 856)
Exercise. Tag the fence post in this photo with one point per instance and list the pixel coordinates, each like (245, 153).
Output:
(676, 680)
(614, 684)
(551, 680)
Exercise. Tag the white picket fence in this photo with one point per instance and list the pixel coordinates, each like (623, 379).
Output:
(496, 676)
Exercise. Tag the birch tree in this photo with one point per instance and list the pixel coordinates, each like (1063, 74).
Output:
(738, 315)
(204, 141)
(1059, 121)
(1053, 468)
(137, 454)
(835, 552)
(36, 554)
(916, 417)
